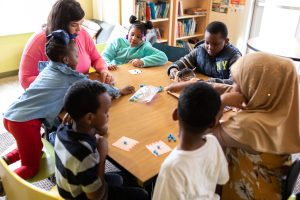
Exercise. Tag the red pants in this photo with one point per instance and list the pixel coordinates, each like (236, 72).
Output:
(29, 146)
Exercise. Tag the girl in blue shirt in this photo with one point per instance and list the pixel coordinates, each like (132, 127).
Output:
(134, 49)
(42, 102)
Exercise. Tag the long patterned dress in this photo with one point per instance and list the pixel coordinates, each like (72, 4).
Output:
(255, 177)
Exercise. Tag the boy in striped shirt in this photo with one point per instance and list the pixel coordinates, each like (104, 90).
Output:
(81, 149)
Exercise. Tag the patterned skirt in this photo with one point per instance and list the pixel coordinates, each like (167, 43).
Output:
(255, 176)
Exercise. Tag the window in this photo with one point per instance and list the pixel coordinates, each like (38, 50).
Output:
(277, 18)
(23, 16)
(123, 9)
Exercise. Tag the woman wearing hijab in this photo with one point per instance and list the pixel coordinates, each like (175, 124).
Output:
(260, 138)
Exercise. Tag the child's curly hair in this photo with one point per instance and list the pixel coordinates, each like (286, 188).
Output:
(135, 23)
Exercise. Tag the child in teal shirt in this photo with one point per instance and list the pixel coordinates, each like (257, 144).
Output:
(134, 49)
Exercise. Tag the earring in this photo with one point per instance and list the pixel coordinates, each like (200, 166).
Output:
(126, 37)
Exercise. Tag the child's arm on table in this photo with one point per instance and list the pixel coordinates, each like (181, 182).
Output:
(152, 57)
(177, 87)
(136, 62)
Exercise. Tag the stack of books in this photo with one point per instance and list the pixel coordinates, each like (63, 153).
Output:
(195, 11)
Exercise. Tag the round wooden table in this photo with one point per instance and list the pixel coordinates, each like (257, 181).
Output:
(289, 48)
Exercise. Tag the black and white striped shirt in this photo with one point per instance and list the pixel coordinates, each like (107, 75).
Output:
(76, 160)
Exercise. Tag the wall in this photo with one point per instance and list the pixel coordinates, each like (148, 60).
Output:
(238, 21)
(11, 46)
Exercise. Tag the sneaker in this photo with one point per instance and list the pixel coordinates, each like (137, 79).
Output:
(52, 178)
(2, 192)
(8, 162)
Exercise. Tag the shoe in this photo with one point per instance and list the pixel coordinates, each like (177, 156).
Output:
(8, 162)
(52, 178)
(2, 192)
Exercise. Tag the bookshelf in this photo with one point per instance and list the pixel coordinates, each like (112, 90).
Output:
(161, 18)
(189, 26)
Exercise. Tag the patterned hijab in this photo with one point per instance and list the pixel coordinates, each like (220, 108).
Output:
(270, 121)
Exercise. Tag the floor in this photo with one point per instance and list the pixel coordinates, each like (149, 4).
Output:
(10, 90)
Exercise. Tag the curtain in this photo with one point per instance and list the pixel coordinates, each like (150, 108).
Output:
(113, 11)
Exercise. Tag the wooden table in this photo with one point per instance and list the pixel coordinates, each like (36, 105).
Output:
(145, 123)
(284, 47)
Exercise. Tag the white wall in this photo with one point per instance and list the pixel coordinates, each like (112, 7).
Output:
(238, 21)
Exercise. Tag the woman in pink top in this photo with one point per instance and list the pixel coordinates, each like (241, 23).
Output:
(67, 15)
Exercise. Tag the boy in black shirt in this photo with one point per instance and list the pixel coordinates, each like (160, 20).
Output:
(212, 58)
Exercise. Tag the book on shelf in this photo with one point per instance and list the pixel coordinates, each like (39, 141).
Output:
(180, 8)
(141, 10)
(152, 9)
(157, 32)
(184, 44)
(195, 11)
(186, 27)
(146, 10)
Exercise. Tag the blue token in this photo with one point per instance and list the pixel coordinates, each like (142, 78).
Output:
(160, 89)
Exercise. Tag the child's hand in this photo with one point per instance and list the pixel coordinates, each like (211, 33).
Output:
(137, 63)
(173, 73)
(234, 99)
(102, 146)
(127, 90)
(174, 87)
(177, 87)
(106, 77)
(67, 119)
(112, 67)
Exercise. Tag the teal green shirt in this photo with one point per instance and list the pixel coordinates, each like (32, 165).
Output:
(120, 52)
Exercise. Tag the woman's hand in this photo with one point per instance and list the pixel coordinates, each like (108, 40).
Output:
(234, 99)
(112, 67)
(106, 77)
(137, 62)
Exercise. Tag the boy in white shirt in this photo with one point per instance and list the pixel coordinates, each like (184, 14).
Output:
(197, 164)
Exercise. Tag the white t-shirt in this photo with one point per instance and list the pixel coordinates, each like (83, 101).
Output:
(192, 174)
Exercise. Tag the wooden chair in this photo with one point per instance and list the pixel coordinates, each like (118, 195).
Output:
(17, 188)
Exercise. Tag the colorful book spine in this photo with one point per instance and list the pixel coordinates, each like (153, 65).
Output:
(148, 12)
(152, 7)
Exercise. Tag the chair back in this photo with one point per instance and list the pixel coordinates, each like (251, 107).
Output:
(47, 163)
(291, 179)
(17, 188)
(173, 53)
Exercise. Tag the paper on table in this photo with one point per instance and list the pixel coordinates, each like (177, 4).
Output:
(125, 143)
(135, 71)
(158, 148)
